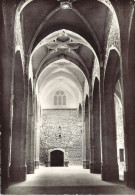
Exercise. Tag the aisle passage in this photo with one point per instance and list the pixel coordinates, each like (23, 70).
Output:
(69, 180)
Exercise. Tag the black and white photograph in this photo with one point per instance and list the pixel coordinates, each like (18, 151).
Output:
(67, 96)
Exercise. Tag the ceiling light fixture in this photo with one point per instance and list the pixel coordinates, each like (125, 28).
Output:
(66, 4)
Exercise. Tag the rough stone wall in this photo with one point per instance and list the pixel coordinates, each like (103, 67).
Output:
(60, 130)
(119, 133)
(112, 34)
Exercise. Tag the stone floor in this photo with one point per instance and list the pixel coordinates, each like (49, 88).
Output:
(66, 180)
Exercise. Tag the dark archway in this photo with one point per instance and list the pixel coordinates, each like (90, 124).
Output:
(57, 158)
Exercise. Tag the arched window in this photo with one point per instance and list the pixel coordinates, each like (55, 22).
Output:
(55, 100)
(60, 98)
(64, 100)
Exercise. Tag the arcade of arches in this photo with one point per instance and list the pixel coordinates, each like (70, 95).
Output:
(67, 87)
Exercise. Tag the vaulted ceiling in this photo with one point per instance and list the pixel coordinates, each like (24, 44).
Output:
(87, 18)
(63, 39)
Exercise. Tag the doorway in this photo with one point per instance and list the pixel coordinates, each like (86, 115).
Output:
(57, 158)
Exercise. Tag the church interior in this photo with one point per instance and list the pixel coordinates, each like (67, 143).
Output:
(67, 93)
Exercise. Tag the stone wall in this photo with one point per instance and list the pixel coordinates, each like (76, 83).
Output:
(60, 130)
(119, 134)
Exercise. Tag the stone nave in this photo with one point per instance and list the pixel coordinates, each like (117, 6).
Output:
(67, 96)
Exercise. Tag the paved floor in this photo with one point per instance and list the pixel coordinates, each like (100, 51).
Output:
(66, 180)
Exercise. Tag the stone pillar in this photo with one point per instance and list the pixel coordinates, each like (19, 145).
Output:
(127, 19)
(110, 165)
(109, 147)
(95, 165)
(87, 134)
(37, 131)
(37, 147)
(84, 135)
(80, 113)
(81, 125)
(7, 15)
(91, 127)
(84, 147)
(119, 131)
(18, 167)
(126, 16)
(30, 134)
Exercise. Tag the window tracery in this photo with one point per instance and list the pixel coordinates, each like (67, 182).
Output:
(60, 98)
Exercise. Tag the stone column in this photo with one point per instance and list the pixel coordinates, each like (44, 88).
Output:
(87, 134)
(18, 166)
(110, 165)
(127, 24)
(30, 134)
(80, 113)
(91, 127)
(7, 16)
(84, 146)
(37, 131)
(84, 135)
(37, 147)
(109, 149)
(95, 165)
